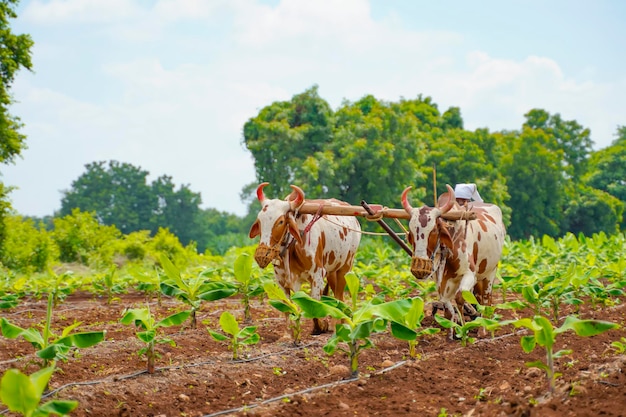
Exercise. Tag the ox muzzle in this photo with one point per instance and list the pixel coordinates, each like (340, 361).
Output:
(421, 267)
(265, 254)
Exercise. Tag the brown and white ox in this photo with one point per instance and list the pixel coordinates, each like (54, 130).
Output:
(463, 254)
(305, 247)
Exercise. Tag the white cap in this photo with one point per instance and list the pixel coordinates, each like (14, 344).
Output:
(467, 191)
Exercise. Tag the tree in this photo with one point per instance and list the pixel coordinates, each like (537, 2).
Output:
(15, 54)
(571, 138)
(590, 211)
(607, 170)
(178, 210)
(535, 183)
(118, 194)
(283, 136)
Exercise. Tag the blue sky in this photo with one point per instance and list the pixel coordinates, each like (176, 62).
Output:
(166, 85)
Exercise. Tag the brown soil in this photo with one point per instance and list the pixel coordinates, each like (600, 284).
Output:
(198, 377)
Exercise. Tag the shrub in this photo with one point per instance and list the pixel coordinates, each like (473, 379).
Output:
(27, 247)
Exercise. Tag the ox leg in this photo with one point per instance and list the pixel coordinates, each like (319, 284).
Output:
(319, 325)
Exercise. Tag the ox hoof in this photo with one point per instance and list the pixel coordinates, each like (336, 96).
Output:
(319, 327)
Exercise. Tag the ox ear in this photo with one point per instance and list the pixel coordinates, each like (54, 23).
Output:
(444, 234)
(293, 229)
(255, 230)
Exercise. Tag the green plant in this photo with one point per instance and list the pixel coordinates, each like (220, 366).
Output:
(108, 285)
(619, 346)
(279, 300)
(357, 322)
(143, 318)
(194, 290)
(406, 328)
(23, 393)
(9, 300)
(234, 335)
(51, 347)
(544, 334)
(247, 286)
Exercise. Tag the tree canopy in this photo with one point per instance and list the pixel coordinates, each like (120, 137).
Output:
(545, 176)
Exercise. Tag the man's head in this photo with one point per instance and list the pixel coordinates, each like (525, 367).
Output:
(465, 193)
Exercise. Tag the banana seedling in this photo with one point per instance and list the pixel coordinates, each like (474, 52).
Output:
(358, 323)
(234, 335)
(194, 290)
(409, 327)
(143, 318)
(247, 286)
(544, 335)
(279, 300)
(51, 347)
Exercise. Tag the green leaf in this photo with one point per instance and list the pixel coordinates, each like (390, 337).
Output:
(173, 320)
(282, 307)
(217, 291)
(562, 352)
(393, 311)
(53, 352)
(528, 343)
(415, 314)
(218, 336)
(247, 331)
(19, 392)
(444, 322)
(469, 297)
(173, 273)
(252, 339)
(274, 292)
(229, 324)
(538, 364)
(402, 332)
(60, 407)
(243, 268)
(353, 285)
(82, 339)
(148, 336)
(586, 327)
(312, 308)
(9, 330)
(135, 315)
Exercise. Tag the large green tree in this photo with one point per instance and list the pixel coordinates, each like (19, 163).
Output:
(572, 139)
(15, 54)
(535, 183)
(607, 169)
(283, 135)
(117, 192)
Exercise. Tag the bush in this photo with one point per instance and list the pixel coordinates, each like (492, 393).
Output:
(80, 238)
(26, 247)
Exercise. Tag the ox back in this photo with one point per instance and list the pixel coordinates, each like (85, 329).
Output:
(306, 248)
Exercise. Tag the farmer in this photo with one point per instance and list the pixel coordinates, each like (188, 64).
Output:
(465, 193)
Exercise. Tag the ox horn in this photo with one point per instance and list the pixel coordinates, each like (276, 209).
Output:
(298, 197)
(259, 192)
(405, 200)
(451, 199)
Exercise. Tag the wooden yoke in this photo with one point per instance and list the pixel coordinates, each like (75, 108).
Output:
(313, 208)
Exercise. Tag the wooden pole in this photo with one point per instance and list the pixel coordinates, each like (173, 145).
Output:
(388, 229)
(327, 209)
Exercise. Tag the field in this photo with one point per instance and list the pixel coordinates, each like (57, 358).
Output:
(197, 376)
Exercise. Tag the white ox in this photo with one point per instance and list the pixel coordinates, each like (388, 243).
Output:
(463, 254)
(305, 247)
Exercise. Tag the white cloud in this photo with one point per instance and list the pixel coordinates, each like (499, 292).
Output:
(80, 11)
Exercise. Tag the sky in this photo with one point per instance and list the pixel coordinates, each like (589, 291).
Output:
(167, 85)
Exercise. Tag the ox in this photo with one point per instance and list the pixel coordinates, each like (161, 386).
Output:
(463, 254)
(304, 247)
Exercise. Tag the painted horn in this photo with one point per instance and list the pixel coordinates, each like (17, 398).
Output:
(298, 198)
(259, 191)
(405, 200)
(451, 199)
